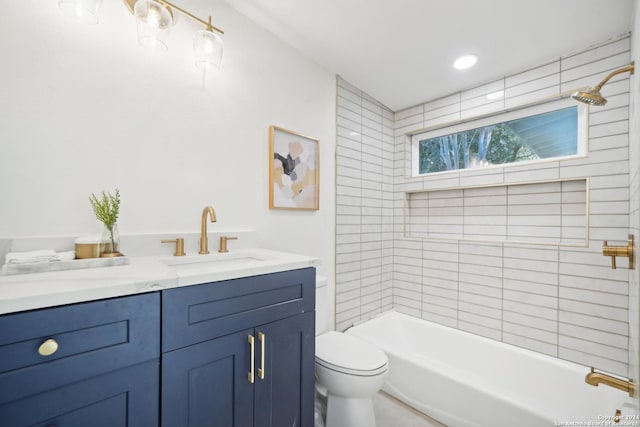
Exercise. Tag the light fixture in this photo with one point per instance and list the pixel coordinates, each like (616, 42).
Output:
(464, 62)
(207, 49)
(155, 17)
(592, 96)
(85, 11)
(153, 21)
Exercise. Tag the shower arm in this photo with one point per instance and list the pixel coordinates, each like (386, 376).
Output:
(630, 67)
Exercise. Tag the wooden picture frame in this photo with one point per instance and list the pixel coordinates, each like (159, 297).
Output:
(294, 170)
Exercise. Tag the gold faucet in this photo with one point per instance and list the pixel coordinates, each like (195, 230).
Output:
(594, 378)
(204, 241)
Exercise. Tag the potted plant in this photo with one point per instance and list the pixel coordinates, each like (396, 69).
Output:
(106, 210)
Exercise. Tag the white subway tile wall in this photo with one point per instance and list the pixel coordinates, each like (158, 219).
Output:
(548, 212)
(563, 301)
(364, 206)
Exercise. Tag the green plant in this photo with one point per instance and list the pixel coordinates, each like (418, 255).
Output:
(106, 210)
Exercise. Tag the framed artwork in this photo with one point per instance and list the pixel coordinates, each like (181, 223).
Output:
(294, 170)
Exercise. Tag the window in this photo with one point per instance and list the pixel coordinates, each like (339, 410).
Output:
(545, 131)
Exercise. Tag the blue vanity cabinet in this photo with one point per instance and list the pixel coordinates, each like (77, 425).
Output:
(284, 394)
(127, 397)
(240, 353)
(177, 358)
(206, 384)
(94, 363)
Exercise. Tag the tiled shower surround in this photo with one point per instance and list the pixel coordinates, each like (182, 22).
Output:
(364, 206)
(559, 299)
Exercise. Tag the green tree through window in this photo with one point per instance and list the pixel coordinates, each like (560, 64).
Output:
(530, 138)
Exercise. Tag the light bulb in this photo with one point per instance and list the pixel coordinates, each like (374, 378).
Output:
(208, 47)
(153, 18)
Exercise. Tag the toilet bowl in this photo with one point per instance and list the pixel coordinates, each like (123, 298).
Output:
(351, 371)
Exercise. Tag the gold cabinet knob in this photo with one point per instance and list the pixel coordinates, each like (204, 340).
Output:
(48, 347)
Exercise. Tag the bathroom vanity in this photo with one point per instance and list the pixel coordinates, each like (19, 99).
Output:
(238, 351)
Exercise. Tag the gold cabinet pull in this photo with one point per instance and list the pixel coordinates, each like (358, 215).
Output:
(251, 375)
(48, 347)
(263, 339)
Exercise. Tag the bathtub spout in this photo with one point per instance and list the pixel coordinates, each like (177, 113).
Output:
(594, 378)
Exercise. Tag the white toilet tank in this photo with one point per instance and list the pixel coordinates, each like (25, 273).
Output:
(322, 304)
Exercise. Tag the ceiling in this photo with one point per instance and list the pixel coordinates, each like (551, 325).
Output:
(401, 51)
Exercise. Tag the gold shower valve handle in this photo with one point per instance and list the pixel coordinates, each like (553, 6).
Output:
(624, 251)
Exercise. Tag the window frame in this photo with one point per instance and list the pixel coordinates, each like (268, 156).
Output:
(498, 117)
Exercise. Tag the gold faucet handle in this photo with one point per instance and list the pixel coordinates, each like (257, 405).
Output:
(179, 246)
(223, 243)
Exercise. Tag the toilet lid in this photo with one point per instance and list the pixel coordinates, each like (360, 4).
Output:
(350, 354)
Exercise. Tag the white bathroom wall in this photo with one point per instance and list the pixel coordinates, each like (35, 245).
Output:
(559, 300)
(85, 108)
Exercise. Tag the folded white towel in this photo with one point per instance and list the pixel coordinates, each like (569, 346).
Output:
(31, 257)
(66, 256)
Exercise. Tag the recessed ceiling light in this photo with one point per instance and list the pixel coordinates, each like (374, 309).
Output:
(496, 95)
(464, 62)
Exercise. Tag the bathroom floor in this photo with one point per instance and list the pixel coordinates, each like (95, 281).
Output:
(390, 412)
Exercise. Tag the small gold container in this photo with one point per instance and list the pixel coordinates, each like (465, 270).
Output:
(89, 247)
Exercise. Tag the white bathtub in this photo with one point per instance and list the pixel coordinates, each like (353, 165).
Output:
(464, 380)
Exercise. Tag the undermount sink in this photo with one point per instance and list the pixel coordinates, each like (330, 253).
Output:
(214, 260)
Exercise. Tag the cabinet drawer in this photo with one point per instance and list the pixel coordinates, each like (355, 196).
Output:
(93, 338)
(195, 314)
(124, 398)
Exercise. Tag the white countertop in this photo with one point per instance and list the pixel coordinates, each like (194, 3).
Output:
(142, 274)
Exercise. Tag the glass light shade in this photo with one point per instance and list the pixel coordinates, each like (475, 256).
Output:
(207, 49)
(153, 21)
(85, 11)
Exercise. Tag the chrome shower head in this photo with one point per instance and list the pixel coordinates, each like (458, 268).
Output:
(593, 96)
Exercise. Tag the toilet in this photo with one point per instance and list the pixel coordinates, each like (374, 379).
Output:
(349, 370)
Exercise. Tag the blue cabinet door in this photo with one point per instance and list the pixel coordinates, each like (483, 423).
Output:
(284, 397)
(124, 398)
(206, 384)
